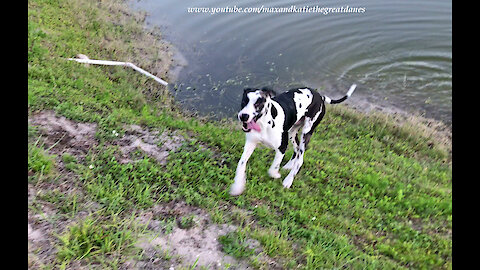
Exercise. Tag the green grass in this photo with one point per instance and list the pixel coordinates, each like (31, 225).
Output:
(92, 238)
(234, 243)
(41, 165)
(373, 193)
(39, 161)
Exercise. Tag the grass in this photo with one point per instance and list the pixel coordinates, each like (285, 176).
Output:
(373, 193)
(235, 244)
(95, 239)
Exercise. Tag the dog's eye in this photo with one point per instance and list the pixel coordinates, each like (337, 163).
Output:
(259, 103)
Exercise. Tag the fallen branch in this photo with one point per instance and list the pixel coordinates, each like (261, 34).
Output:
(86, 60)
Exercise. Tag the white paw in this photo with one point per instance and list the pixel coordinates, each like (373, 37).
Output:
(287, 182)
(288, 166)
(274, 174)
(237, 189)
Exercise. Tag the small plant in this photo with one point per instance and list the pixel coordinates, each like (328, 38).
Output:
(66, 203)
(234, 244)
(69, 161)
(91, 237)
(186, 222)
(39, 161)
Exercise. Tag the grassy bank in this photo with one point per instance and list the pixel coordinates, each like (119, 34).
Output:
(374, 191)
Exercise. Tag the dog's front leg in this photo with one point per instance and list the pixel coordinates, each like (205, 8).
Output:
(273, 171)
(240, 179)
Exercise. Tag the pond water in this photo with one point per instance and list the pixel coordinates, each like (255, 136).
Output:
(399, 53)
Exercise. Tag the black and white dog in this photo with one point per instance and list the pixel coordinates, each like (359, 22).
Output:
(274, 120)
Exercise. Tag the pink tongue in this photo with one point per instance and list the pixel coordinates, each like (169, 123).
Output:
(253, 125)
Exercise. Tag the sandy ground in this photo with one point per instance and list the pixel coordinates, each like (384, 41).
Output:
(187, 245)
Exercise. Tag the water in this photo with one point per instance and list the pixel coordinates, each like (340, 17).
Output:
(398, 52)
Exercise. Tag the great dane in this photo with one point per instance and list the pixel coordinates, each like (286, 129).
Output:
(273, 120)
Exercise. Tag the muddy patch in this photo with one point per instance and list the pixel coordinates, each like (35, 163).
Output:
(194, 244)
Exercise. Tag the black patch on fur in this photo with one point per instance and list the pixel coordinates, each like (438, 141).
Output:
(245, 98)
(273, 124)
(315, 106)
(274, 112)
(307, 136)
(288, 105)
(336, 101)
(259, 104)
(284, 144)
(260, 101)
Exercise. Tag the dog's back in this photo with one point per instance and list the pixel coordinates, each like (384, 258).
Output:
(298, 103)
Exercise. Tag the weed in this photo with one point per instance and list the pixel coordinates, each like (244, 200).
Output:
(67, 204)
(235, 244)
(186, 222)
(40, 162)
(90, 238)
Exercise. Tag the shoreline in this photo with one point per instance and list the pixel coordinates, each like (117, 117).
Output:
(365, 103)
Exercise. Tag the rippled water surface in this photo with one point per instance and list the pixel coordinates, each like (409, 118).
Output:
(398, 52)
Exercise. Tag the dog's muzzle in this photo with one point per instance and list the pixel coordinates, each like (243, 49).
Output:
(248, 126)
(245, 127)
(244, 118)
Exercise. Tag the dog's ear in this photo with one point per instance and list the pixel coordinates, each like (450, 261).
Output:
(268, 92)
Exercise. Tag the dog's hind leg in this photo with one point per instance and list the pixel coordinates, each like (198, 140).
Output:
(292, 134)
(240, 178)
(297, 161)
(273, 171)
(307, 132)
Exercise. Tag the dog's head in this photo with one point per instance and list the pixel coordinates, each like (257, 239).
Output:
(253, 107)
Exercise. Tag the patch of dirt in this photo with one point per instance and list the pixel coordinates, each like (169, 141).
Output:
(41, 226)
(187, 245)
(39, 247)
(152, 143)
(62, 135)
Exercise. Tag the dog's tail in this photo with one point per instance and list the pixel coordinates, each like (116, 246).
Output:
(335, 101)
